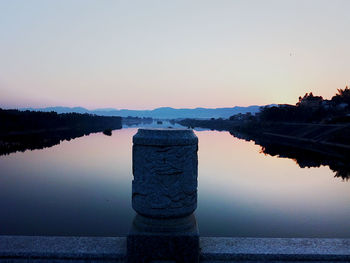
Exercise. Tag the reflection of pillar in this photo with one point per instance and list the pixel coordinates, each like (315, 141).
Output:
(164, 195)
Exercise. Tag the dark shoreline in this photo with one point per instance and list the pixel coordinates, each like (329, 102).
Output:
(309, 144)
(40, 140)
(20, 131)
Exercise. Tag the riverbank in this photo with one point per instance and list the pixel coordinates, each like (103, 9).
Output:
(332, 135)
(309, 144)
(23, 130)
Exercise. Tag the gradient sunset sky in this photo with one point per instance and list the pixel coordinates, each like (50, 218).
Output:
(148, 54)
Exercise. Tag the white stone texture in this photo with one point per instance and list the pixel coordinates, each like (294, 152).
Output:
(165, 172)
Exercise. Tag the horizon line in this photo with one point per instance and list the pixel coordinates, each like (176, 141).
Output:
(111, 109)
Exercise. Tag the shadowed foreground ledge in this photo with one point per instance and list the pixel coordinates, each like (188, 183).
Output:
(213, 249)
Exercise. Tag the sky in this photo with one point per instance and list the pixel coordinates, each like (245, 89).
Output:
(182, 54)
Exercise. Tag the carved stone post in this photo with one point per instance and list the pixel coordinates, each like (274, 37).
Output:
(164, 195)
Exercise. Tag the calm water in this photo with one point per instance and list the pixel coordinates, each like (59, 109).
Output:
(83, 187)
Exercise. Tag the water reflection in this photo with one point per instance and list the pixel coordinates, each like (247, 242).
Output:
(245, 193)
(11, 143)
(83, 187)
(20, 142)
(306, 157)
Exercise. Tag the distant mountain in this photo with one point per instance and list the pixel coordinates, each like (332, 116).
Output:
(160, 113)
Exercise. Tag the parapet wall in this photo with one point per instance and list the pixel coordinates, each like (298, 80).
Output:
(213, 249)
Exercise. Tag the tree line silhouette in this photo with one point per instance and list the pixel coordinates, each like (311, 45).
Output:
(22, 130)
(311, 108)
(313, 132)
(15, 120)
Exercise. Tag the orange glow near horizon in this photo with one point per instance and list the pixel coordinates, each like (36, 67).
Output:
(103, 54)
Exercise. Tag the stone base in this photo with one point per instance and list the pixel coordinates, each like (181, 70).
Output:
(174, 240)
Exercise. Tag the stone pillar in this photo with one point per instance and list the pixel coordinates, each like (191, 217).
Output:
(164, 195)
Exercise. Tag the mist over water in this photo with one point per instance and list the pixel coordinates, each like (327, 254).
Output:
(83, 187)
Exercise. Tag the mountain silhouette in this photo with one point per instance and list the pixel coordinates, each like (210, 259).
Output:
(161, 113)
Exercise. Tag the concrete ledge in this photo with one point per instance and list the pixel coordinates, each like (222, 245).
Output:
(60, 249)
(214, 249)
(275, 249)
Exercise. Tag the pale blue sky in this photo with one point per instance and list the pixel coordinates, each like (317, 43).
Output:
(146, 54)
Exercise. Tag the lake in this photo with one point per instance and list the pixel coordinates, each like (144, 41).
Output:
(83, 187)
